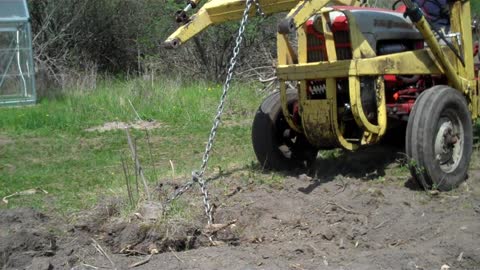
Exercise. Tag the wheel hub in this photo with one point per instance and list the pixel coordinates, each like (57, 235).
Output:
(448, 145)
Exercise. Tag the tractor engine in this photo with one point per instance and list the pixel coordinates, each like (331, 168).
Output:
(387, 32)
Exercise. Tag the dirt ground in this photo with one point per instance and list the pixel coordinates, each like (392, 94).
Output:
(352, 213)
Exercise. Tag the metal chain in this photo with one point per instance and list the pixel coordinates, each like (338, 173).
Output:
(197, 176)
(259, 8)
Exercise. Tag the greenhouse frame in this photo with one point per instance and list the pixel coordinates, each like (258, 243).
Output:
(17, 72)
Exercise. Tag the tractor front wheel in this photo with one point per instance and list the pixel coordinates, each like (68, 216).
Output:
(439, 138)
(276, 145)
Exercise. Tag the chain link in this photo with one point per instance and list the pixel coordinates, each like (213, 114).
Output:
(197, 176)
(259, 8)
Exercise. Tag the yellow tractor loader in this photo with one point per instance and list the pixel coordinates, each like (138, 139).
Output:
(358, 72)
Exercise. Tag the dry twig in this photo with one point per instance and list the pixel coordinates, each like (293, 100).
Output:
(142, 262)
(89, 266)
(381, 224)
(343, 186)
(23, 193)
(151, 154)
(214, 228)
(100, 250)
(138, 166)
(127, 180)
(173, 169)
(344, 208)
(175, 254)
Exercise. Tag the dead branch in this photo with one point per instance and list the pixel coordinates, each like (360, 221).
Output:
(23, 193)
(381, 224)
(142, 262)
(151, 153)
(175, 254)
(173, 169)
(125, 172)
(89, 266)
(214, 228)
(134, 110)
(344, 208)
(138, 166)
(342, 186)
(272, 79)
(100, 250)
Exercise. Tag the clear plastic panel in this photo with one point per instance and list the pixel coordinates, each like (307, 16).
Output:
(17, 75)
(13, 10)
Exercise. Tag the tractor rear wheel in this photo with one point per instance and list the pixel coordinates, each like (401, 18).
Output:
(439, 138)
(276, 145)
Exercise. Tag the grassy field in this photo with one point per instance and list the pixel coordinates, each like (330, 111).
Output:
(46, 146)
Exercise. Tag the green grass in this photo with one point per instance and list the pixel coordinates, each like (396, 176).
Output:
(46, 146)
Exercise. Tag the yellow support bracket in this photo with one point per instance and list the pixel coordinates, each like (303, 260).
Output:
(219, 11)
(404, 63)
(286, 112)
(362, 49)
(306, 9)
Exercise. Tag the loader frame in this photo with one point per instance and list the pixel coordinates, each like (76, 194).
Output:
(319, 118)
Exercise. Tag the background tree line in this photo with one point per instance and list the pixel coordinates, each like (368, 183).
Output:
(76, 39)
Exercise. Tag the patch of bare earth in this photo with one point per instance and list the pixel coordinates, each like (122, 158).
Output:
(4, 140)
(337, 220)
(118, 125)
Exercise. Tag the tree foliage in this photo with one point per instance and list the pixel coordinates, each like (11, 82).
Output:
(123, 36)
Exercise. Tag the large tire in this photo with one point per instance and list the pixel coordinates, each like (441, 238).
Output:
(439, 138)
(276, 145)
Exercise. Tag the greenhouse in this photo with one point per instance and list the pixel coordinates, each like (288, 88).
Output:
(17, 74)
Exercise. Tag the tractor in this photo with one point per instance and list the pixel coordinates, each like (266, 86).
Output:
(359, 73)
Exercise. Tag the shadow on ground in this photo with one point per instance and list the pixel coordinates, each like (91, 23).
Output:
(365, 164)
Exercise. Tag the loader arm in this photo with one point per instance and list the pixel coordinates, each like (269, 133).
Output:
(219, 11)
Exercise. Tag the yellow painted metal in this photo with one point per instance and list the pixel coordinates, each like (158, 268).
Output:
(219, 11)
(306, 8)
(196, 1)
(302, 43)
(317, 119)
(449, 70)
(329, 39)
(199, 22)
(320, 118)
(286, 55)
(286, 112)
(476, 100)
(301, 57)
(357, 108)
(317, 132)
(332, 95)
(405, 63)
(461, 23)
(361, 47)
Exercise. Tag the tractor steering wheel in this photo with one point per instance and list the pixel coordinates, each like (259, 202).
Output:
(394, 6)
